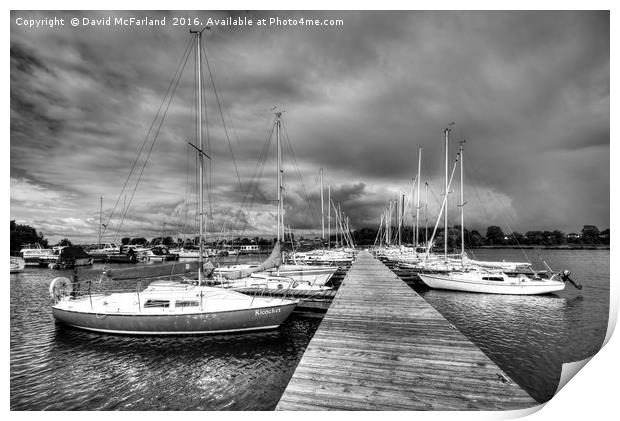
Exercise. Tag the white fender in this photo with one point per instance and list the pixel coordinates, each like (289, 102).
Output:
(60, 286)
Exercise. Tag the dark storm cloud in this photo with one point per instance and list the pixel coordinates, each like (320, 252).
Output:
(529, 91)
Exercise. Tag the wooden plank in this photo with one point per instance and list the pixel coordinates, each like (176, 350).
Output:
(454, 394)
(381, 346)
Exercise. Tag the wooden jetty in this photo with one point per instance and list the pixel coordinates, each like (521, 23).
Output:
(381, 346)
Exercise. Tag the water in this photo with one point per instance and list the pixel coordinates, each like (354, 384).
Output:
(55, 367)
(530, 337)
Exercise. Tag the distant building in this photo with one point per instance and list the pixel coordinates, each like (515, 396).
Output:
(573, 235)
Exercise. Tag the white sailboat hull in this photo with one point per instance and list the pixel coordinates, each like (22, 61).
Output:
(517, 287)
(273, 283)
(317, 276)
(215, 311)
(177, 324)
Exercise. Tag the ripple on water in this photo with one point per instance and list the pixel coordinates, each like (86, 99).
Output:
(530, 337)
(55, 367)
(59, 368)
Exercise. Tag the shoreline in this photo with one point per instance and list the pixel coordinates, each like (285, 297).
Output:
(557, 247)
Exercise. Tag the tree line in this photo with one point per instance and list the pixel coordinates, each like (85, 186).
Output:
(170, 242)
(494, 236)
(589, 235)
(22, 235)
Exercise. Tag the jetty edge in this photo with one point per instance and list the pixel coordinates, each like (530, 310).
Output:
(381, 346)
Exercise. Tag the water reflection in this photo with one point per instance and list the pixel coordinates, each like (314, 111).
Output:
(201, 372)
(56, 367)
(61, 368)
(530, 337)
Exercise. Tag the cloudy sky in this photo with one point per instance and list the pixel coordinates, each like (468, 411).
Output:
(529, 91)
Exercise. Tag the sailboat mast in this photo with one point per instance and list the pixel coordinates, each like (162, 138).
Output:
(441, 210)
(329, 216)
(322, 210)
(100, 219)
(349, 233)
(387, 227)
(417, 205)
(445, 215)
(388, 223)
(425, 213)
(462, 205)
(198, 56)
(402, 213)
(399, 212)
(340, 225)
(337, 222)
(279, 169)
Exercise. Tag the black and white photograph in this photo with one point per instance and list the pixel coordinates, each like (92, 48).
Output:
(304, 210)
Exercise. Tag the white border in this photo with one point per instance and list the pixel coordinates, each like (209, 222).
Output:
(589, 395)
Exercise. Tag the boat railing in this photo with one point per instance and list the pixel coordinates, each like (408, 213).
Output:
(92, 290)
(96, 288)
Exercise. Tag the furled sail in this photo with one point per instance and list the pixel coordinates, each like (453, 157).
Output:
(274, 260)
(499, 265)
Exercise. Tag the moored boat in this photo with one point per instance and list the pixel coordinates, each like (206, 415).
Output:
(187, 253)
(66, 257)
(168, 308)
(17, 264)
(32, 253)
(102, 251)
(273, 267)
(491, 277)
(271, 282)
(322, 257)
(493, 282)
(160, 253)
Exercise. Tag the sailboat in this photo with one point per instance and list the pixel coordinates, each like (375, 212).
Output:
(328, 256)
(382, 247)
(293, 275)
(469, 275)
(103, 250)
(170, 308)
(494, 282)
(270, 275)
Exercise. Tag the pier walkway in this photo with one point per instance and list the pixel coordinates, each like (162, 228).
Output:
(381, 346)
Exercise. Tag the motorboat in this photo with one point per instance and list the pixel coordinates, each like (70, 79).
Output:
(160, 253)
(104, 250)
(17, 264)
(32, 253)
(66, 257)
